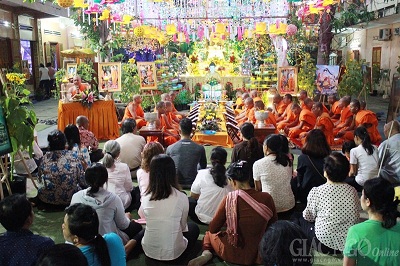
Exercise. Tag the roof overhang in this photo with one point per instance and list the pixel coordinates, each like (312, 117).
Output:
(37, 10)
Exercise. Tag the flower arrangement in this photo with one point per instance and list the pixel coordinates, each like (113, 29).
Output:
(88, 97)
(194, 59)
(213, 81)
(209, 121)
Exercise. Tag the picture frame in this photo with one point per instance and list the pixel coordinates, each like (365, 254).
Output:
(109, 76)
(5, 141)
(147, 75)
(327, 80)
(287, 80)
(71, 70)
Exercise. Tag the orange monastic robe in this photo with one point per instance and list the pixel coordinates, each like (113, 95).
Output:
(325, 121)
(345, 113)
(175, 111)
(366, 117)
(309, 120)
(280, 108)
(271, 120)
(325, 110)
(168, 140)
(82, 88)
(289, 115)
(239, 104)
(256, 99)
(140, 122)
(336, 110)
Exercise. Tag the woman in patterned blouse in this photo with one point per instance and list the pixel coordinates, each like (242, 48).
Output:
(61, 172)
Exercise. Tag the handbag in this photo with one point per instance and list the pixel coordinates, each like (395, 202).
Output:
(316, 169)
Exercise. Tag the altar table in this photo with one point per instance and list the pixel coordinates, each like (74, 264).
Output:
(102, 117)
(237, 81)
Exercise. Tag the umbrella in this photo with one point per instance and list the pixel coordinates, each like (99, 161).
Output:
(78, 53)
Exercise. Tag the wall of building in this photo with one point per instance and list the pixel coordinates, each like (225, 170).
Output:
(6, 29)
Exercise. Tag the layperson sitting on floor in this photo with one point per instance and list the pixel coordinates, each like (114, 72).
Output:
(310, 165)
(150, 150)
(279, 242)
(135, 111)
(188, 156)
(346, 148)
(62, 255)
(131, 146)
(18, 245)
(209, 188)
(168, 236)
(88, 139)
(81, 228)
(61, 173)
(119, 176)
(108, 206)
(363, 159)
(331, 208)
(336, 110)
(279, 105)
(306, 120)
(273, 174)
(346, 116)
(364, 118)
(244, 226)
(249, 150)
(375, 241)
(74, 143)
(389, 153)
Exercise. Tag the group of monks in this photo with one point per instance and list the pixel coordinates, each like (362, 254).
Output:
(293, 119)
(296, 120)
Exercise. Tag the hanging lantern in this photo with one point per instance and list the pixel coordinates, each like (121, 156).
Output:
(170, 29)
(261, 28)
(65, 3)
(220, 28)
(138, 31)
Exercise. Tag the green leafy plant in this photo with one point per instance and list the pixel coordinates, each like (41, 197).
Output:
(130, 82)
(306, 75)
(183, 97)
(376, 73)
(86, 71)
(60, 76)
(352, 79)
(20, 120)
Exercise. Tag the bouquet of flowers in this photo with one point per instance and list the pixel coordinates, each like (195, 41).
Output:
(213, 81)
(209, 125)
(210, 121)
(88, 97)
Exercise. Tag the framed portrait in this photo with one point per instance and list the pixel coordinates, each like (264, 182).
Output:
(287, 80)
(5, 141)
(147, 75)
(71, 70)
(327, 79)
(109, 76)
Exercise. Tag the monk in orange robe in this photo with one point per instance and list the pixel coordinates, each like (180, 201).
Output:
(306, 122)
(335, 111)
(248, 114)
(346, 116)
(279, 105)
(323, 122)
(287, 100)
(173, 120)
(288, 118)
(302, 97)
(240, 102)
(259, 106)
(364, 118)
(134, 110)
(78, 86)
(170, 134)
(254, 95)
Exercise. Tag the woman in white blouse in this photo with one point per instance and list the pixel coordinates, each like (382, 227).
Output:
(119, 176)
(273, 174)
(167, 235)
(332, 208)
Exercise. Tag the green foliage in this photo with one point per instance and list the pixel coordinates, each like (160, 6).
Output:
(130, 82)
(60, 75)
(183, 97)
(354, 13)
(86, 71)
(306, 75)
(117, 58)
(376, 73)
(352, 79)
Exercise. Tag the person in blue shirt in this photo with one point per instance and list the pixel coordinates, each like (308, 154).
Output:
(81, 228)
(19, 246)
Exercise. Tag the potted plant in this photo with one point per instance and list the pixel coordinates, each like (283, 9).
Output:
(182, 99)
(352, 79)
(20, 120)
(376, 78)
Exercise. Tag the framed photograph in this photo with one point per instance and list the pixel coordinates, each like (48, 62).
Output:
(327, 79)
(71, 70)
(147, 75)
(287, 80)
(5, 142)
(109, 75)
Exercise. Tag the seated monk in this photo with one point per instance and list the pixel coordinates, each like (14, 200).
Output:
(78, 87)
(254, 95)
(306, 122)
(171, 117)
(278, 106)
(324, 123)
(364, 118)
(171, 135)
(240, 103)
(288, 101)
(335, 111)
(308, 104)
(346, 116)
(248, 115)
(259, 106)
(302, 97)
(134, 110)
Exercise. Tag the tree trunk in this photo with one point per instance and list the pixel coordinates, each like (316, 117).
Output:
(325, 37)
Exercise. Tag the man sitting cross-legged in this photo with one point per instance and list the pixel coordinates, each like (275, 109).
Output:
(134, 110)
(306, 120)
(248, 114)
(259, 106)
(187, 155)
(324, 123)
(288, 116)
(170, 134)
(346, 116)
(335, 111)
(19, 246)
(173, 119)
(279, 105)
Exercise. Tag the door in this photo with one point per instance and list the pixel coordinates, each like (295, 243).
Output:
(376, 64)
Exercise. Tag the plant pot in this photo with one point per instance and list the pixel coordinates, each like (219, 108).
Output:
(18, 185)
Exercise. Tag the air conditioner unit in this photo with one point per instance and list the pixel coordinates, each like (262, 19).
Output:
(396, 31)
(385, 34)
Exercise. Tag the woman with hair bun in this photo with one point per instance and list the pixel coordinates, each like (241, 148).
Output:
(81, 228)
(209, 188)
(363, 159)
(375, 241)
(119, 175)
(249, 150)
(273, 174)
